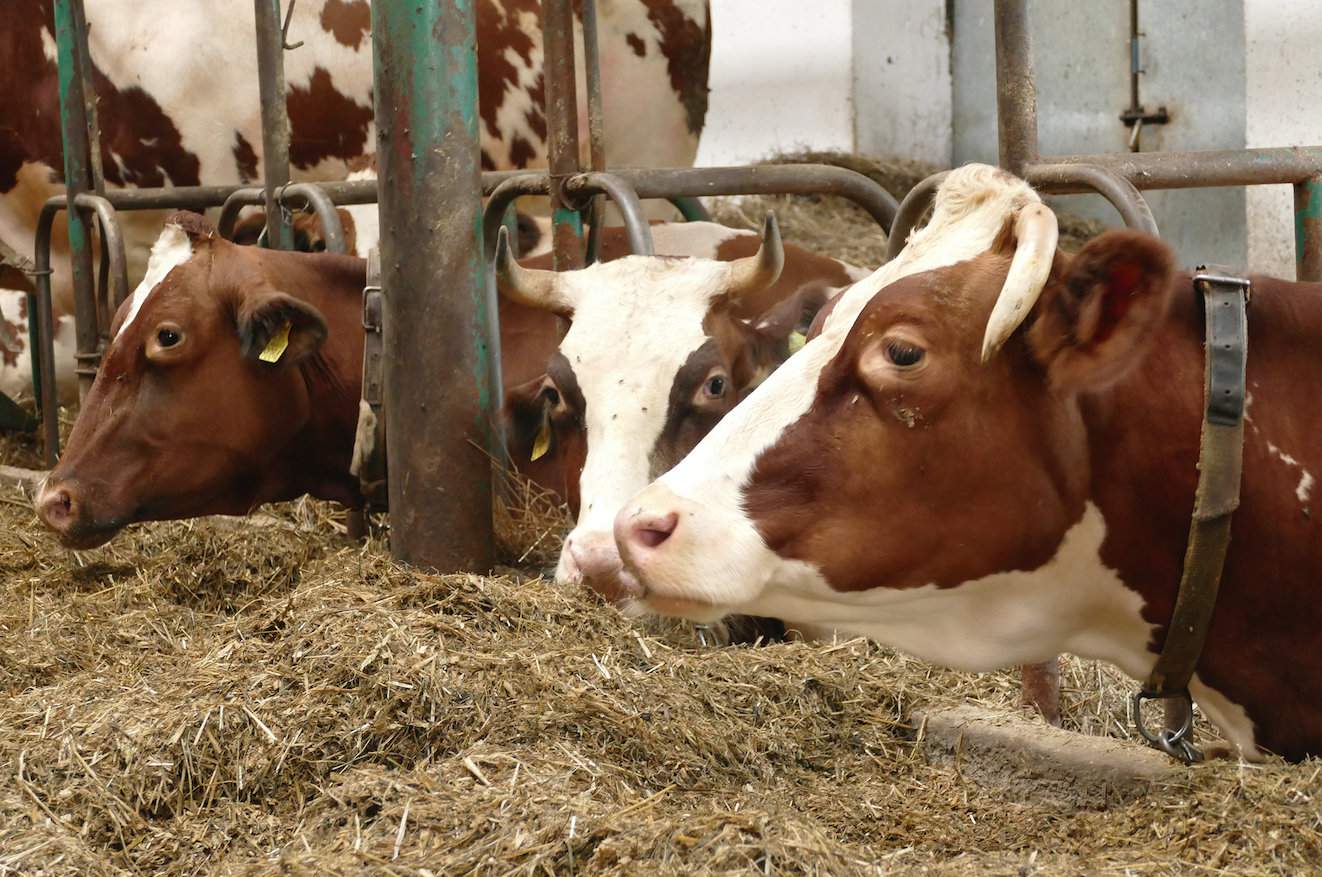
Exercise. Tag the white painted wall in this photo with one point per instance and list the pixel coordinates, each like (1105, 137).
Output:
(781, 79)
(1283, 84)
(902, 85)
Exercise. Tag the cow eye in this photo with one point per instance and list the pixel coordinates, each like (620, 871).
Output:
(715, 387)
(167, 337)
(551, 395)
(904, 354)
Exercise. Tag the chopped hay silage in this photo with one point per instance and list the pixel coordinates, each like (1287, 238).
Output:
(262, 697)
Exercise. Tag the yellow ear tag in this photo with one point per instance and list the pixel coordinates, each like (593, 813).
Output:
(542, 443)
(797, 340)
(275, 348)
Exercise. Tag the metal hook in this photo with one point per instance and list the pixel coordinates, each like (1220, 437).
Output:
(1177, 743)
(284, 31)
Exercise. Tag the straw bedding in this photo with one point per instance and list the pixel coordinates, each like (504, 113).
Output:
(266, 697)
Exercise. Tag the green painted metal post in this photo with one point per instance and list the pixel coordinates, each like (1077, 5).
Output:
(78, 178)
(442, 353)
(1308, 230)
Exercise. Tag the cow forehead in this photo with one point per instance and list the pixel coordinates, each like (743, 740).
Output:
(637, 319)
(172, 249)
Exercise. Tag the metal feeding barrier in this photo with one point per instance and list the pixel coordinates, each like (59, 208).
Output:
(442, 349)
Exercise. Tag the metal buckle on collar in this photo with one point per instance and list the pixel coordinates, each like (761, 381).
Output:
(372, 308)
(1222, 275)
(1177, 744)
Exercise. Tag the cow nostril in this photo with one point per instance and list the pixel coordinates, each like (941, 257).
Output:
(652, 530)
(57, 508)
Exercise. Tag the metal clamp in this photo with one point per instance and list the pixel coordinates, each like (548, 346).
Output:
(1177, 742)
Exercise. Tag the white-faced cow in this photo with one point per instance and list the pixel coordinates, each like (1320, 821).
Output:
(989, 456)
(658, 350)
(177, 97)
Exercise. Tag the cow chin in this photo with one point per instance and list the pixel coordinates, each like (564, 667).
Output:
(85, 538)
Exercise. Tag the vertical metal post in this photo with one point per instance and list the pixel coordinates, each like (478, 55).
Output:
(562, 155)
(1016, 90)
(275, 118)
(70, 32)
(1308, 230)
(442, 355)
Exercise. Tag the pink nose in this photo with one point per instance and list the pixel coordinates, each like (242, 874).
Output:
(57, 509)
(647, 530)
(596, 558)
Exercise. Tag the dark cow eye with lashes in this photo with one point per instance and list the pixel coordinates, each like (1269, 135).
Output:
(715, 387)
(167, 337)
(551, 395)
(903, 354)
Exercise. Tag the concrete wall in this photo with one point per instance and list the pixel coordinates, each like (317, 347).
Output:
(902, 85)
(781, 79)
(1284, 83)
(1193, 55)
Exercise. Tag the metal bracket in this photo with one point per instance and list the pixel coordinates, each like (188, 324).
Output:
(1177, 743)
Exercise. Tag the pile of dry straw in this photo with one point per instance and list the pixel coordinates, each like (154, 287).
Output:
(266, 697)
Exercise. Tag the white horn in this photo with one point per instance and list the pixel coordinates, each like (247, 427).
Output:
(1036, 233)
(529, 286)
(758, 271)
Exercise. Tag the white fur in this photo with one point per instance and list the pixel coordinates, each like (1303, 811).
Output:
(699, 239)
(1305, 487)
(16, 380)
(172, 249)
(366, 219)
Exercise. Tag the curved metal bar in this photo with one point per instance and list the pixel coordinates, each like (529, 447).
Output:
(505, 194)
(691, 208)
(1123, 195)
(316, 200)
(765, 179)
(631, 208)
(911, 210)
(112, 245)
(41, 335)
(234, 202)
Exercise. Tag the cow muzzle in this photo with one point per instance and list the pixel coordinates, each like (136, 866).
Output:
(591, 558)
(61, 506)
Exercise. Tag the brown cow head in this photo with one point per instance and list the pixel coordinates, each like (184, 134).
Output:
(212, 375)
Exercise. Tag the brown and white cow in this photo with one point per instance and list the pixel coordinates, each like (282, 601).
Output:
(184, 421)
(177, 97)
(658, 350)
(989, 457)
(16, 354)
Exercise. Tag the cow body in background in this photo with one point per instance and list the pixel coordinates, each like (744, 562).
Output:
(16, 353)
(177, 97)
(908, 478)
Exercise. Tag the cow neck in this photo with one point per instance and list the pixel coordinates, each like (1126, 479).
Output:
(1143, 439)
(318, 457)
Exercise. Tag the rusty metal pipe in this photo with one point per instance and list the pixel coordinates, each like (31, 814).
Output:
(1210, 168)
(1308, 229)
(316, 200)
(504, 195)
(1124, 197)
(41, 335)
(275, 117)
(631, 209)
(112, 248)
(1016, 89)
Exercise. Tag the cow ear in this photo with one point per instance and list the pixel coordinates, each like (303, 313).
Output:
(1098, 314)
(790, 319)
(275, 327)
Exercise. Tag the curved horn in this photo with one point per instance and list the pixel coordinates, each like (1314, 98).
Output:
(758, 271)
(1036, 233)
(531, 287)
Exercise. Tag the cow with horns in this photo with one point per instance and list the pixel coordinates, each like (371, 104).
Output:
(989, 456)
